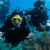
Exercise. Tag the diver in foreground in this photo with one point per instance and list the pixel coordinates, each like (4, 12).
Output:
(15, 29)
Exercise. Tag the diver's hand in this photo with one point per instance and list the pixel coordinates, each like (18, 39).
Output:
(12, 29)
(1, 33)
(1, 36)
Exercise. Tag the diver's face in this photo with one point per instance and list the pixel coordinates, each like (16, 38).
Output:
(16, 23)
(16, 20)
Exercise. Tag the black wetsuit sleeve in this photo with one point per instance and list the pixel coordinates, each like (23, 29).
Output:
(6, 25)
(25, 25)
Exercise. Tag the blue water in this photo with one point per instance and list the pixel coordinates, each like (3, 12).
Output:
(23, 5)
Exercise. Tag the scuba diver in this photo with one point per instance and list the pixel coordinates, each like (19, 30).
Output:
(38, 15)
(15, 29)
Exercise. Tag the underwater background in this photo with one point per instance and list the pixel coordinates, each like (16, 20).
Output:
(22, 5)
(25, 4)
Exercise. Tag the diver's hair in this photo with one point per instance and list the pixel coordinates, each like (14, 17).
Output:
(38, 3)
(16, 13)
